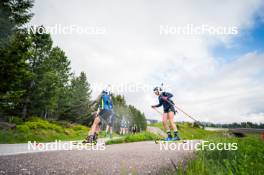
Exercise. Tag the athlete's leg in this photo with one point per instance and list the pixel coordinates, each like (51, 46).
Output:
(111, 123)
(124, 131)
(165, 124)
(108, 117)
(164, 121)
(95, 125)
(92, 134)
(107, 128)
(97, 130)
(111, 131)
(171, 118)
(173, 126)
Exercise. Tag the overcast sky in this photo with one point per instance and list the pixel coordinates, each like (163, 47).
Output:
(214, 77)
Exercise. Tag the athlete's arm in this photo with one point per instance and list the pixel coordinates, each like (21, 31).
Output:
(168, 95)
(158, 105)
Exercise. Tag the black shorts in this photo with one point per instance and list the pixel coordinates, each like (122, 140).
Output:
(107, 116)
(171, 109)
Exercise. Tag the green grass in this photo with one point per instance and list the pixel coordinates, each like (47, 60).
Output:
(102, 134)
(186, 131)
(142, 136)
(37, 129)
(248, 159)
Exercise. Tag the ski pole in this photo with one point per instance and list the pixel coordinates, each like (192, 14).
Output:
(188, 115)
(158, 111)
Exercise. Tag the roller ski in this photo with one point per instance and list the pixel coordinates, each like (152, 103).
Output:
(170, 140)
(89, 141)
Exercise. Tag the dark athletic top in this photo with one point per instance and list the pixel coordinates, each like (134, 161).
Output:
(166, 105)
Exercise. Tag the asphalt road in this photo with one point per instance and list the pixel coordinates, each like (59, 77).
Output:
(130, 158)
(21, 148)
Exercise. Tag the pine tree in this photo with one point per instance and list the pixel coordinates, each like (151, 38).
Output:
(13, 53)
(80, 100)
(13, 15)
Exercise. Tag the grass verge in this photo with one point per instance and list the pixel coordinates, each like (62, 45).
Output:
(142, 136)
(37, 129)
(187, 132)
(248, 159)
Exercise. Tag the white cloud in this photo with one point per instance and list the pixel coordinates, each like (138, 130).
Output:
(227, 93)
(133, 51)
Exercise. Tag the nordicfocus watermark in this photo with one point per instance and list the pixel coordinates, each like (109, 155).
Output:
(127, 87)
(204, 145)
(59, 29)
(59, 145)
(191, 29)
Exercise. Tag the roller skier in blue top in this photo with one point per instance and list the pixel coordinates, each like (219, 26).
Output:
(168, 114)
(104, 113)
(107, 106)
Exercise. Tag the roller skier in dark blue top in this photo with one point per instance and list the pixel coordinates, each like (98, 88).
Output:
(168, 114)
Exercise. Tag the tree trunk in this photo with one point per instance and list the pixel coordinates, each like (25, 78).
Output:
(25, 107)
(27, 100)
(45, 115)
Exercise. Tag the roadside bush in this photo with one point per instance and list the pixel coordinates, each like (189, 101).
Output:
(15, 120)
(23, 128)
(35, 119)
(38, 129)
(37, 123)
(62, 123)
(79, 128)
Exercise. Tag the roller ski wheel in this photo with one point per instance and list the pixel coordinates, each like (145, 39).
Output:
(157, 141)
(85, 142)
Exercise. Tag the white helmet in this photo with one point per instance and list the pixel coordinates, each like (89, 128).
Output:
(107, 90)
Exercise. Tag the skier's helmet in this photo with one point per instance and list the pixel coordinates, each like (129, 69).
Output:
(106, 92)
(158, 89)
